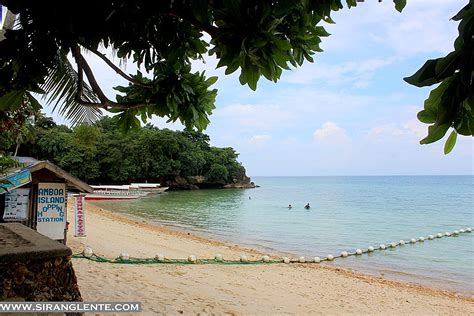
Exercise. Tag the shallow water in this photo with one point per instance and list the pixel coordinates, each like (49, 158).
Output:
(346, 213)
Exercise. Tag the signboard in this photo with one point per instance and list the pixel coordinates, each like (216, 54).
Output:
(15, 180)
(3, 13)
(80, 227)
(51, 213)
(16, 205)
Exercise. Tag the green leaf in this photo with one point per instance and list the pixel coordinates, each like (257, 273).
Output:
(328, 19)
(426, 116)
(351, 3)
(446, 66)
(435, 133)
(211, 80)
(434, 99)
(12, 100)
(400, 4)
(199, 9)
(463, 13)
(321, 31)
(449, 145)
(253, 75)
(425, 76)
(33, 102)
(281, 44)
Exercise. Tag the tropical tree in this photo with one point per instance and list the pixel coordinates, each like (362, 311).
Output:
(451, 103)
(14, 125)
(217, 173)
(261, 38)
(102, 154)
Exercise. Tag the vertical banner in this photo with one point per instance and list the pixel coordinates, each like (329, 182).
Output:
(51, 217)
(16, 205)
(80, 227)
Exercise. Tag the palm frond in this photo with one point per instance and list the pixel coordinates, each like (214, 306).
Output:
(61, 88)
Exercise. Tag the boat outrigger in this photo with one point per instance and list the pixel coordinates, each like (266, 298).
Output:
(124, 192)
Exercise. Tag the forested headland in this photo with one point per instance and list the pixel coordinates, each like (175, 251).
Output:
(102, 154)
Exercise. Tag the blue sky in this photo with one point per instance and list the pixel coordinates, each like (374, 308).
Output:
(349, 112)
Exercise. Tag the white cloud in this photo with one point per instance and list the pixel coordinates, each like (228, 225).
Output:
(256, 116)
(422, 27)
(416, 127)
(409, 129)
(330, 132)
(382, 132)
(359, 74)
(258, 139)
(324, 103)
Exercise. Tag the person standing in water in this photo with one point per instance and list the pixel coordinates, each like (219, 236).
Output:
(307, 206)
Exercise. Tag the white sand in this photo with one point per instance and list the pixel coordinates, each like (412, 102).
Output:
(234, 289)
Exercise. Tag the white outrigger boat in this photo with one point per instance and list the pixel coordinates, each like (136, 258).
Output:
(124, 192)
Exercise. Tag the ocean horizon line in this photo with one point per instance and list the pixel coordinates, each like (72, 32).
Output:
(363, 175)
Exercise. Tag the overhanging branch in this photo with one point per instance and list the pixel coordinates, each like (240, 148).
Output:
(105, 103)
(118, 70)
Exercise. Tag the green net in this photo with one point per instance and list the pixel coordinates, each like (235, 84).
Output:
(381, 247)
(131, 260)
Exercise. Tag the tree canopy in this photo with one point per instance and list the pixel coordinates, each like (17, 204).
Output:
(257, 37)
(100, 153)
(451, 104)
(261, 38)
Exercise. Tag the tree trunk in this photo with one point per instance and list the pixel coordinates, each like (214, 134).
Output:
(16, 149)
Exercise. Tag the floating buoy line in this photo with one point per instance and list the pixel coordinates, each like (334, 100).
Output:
(124, 258)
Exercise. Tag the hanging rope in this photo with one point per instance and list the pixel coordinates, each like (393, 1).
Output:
(124, 258)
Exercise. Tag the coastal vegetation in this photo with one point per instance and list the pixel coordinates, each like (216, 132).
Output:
(101, 153)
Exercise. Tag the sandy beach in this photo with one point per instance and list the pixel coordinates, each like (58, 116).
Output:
(303, 289)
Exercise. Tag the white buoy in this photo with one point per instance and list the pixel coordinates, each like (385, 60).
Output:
(382, 247)
(88, 252)
(413, 240)
(160, 257)
(393, 244)
(469, 229)
(370, 249)
(286, 260)
(422, 239)
(192, 258)
(455, 232)
(461, 231)
(243, 258)
(447, 234)
(344, 254)
(301, 260)
(430, 237)
(358, 251)
(317, 259)
(218, 257)
(124, 256)
(266, 258)
(439, 235)
(330, 257)
(401, 242)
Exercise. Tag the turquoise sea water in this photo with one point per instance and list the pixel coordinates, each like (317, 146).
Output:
(346, 213)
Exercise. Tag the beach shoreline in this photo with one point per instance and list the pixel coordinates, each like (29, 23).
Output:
(109, 234)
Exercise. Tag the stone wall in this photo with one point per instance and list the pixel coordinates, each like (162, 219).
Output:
(34, 267)
(39, 280)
